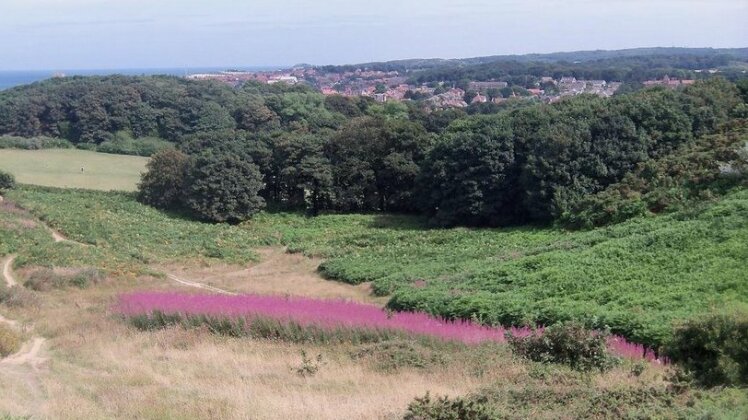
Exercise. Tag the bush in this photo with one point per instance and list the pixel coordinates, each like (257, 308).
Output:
(17, 296)
(392, 355)
(9, 341)
(124, 144)
(713, 349)
(46, 279)
(161, 186)
(570, 344)
(33, 143)
(445, 408)
(7, 181)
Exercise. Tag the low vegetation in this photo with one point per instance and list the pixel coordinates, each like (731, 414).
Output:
(676, 266)
(10, 341)
(7, 181)
(570, 344)
(33, 143)
(123, 235)
(714, 349)
(46, 279)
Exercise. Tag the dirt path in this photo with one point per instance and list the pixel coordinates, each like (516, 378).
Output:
(199, 285)
(278, 272)
(7, 273)
(29, 353)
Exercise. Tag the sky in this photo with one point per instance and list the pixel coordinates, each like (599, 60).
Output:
(125, 34)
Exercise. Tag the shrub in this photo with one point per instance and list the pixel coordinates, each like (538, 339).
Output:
(124, 144)
(162, 184)
(7, 181)
(445, 408)
(33, 143)
(713, 349)
(392, 355)
(18, 297)
(570, 344)
(46, 279)
(9, 340)
(309, 366)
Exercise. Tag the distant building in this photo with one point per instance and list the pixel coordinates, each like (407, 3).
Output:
(479, 99)
(536, 92)
(484, 86)
(289, 80)
(667, 81)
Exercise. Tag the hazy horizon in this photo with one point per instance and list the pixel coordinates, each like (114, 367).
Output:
(141, 34)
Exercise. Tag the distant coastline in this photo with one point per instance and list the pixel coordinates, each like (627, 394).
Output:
(12, 78)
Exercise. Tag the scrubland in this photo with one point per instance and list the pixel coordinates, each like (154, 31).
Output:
(95, 364)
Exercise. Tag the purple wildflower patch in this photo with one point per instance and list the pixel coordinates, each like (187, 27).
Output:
(333, 314)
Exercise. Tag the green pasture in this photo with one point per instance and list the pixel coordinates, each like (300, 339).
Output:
(71, 168)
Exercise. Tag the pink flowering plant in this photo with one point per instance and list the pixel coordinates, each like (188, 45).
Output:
(316, 320)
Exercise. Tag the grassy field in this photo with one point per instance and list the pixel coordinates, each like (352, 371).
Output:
(62, 168)
(637, 278)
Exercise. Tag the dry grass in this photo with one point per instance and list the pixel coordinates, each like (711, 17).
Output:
(10, 341)
(278, 272)
(99, 367)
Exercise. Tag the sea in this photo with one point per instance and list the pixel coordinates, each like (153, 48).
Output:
(12, 78)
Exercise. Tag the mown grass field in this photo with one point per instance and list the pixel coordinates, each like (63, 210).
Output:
(637, 278)
(62, 168)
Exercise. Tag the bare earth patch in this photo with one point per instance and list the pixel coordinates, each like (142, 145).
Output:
(278, 272)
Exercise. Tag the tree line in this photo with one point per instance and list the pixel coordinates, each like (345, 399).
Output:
(236, 151)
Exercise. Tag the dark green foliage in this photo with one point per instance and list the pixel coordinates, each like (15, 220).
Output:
(697, 171)
(33, 143)
(445, 408)
(223, 188)
(162, 185)
(376, 162)
(7, 181)
(713, 348)
(470, 177)
(124, 144)
(299, 175)
(570, 344)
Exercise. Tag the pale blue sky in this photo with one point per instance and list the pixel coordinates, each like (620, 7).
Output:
(75, 34)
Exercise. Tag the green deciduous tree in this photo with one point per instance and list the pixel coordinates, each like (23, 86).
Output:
(221, 187)
(162, 185)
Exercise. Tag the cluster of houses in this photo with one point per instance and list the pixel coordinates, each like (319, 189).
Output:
(392, 86)
(668, 82)
(236, 77)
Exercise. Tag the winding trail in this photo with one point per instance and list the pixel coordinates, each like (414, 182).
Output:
(29, 352)
(7, 273)
(199, 285)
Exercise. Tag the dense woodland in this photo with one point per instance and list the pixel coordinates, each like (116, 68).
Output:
(230, 152)
(631, 66)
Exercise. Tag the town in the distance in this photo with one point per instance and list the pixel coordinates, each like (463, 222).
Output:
(385, 86)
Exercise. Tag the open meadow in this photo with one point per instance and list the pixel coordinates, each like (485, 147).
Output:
(62, 168)
(98, 360)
